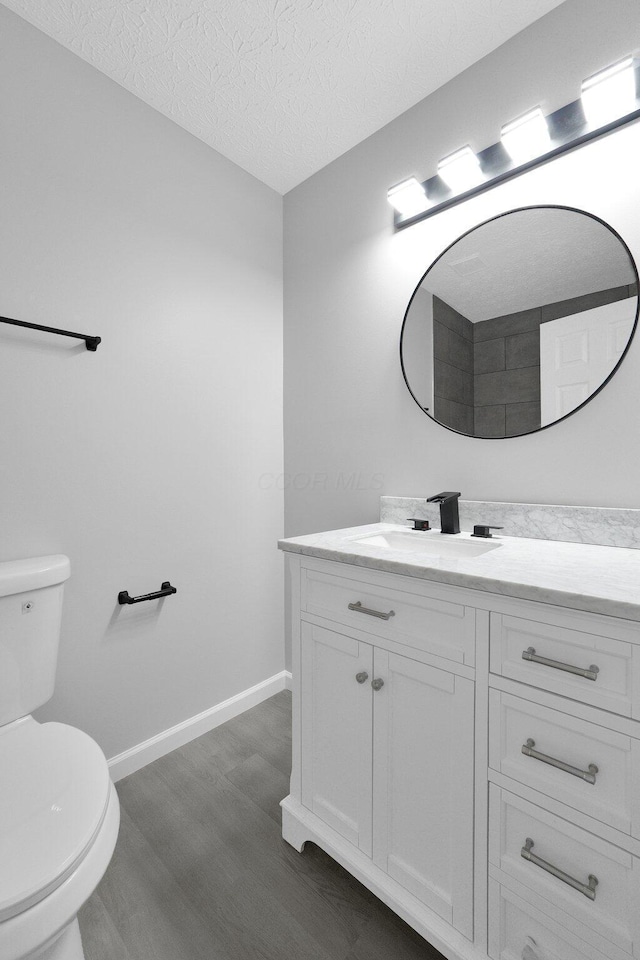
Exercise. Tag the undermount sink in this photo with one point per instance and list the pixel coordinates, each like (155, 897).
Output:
(428, 544)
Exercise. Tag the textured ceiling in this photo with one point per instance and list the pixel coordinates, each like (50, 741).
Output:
(527, 259)
(281, 87)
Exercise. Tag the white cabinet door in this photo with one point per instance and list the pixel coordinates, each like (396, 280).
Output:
(336, 731)
(423, 784)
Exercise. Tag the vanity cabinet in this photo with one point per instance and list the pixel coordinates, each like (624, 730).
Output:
(473, 759)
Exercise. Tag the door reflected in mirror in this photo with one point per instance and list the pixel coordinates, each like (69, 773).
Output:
(520, 322)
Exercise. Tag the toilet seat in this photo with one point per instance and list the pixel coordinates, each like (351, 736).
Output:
(54, 792)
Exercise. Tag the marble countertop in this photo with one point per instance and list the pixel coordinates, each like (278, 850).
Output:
(597, 579)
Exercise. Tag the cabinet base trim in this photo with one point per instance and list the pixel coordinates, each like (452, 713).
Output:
(300, 825)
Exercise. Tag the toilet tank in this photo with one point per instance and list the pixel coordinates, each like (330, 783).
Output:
(30, 614)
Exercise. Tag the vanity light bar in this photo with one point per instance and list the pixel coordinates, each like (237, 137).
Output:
(609, 99)
(526, 137)
(408, 197)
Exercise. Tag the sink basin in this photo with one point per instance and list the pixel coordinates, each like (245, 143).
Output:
(429, 544)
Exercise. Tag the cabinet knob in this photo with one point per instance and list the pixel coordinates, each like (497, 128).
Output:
(529, 952)
(362, 677)
(377, 684)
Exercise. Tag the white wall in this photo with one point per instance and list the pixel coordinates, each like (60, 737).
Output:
(348, 280)
(143, 461)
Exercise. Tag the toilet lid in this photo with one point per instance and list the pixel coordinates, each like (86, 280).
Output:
(54, 790)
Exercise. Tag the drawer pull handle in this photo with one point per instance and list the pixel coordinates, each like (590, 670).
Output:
(586, 889)
(589, 776)
(362, 677)
(589, 673)
(358, 608)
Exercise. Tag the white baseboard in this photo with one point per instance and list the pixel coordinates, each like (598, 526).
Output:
(149, 750)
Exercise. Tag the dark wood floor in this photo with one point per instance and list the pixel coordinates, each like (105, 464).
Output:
(201, 872)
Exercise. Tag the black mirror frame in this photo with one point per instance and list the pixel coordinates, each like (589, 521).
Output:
(538, 206)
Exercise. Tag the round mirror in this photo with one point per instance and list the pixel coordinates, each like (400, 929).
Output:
(520, 322)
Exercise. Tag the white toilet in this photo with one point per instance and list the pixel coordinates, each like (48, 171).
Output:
(59, 811)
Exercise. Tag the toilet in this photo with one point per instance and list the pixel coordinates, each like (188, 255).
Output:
(59, 811)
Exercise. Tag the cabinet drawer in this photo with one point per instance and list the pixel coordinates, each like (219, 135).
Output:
(609, 793)
(440, 627)
(561, 846)
(609, 685)
(517, 931)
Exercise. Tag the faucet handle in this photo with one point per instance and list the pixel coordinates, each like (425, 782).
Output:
(419, 524)
(481, 530)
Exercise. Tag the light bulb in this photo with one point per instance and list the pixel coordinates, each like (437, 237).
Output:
(526, 137)
(408, 197)
(460, 170)
(610, 93)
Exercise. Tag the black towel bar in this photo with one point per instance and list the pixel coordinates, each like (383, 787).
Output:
(165, 591)
(91, 343)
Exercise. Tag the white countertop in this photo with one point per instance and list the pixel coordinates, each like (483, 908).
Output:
(581, 576)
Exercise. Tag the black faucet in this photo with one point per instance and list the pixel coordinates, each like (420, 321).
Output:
(449, 517)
